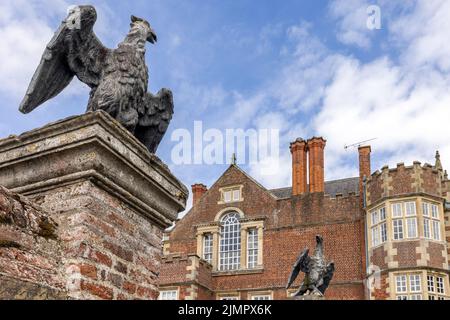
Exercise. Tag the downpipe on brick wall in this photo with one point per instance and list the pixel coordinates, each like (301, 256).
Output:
(366, 244)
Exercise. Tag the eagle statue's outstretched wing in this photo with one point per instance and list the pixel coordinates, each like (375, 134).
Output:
(154, 118)
(329, 272)
(73, 51)
(302, 264)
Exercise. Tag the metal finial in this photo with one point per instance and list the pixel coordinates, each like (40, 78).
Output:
(438, 164)
(233, 159)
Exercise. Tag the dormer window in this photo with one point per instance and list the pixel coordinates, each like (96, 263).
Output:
(237, 195)
(227, 196)
(231, 194)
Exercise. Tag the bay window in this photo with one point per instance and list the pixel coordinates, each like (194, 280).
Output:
(408, 286)
(378, 226)
(435, 286)
(431, 221)
(398, 229)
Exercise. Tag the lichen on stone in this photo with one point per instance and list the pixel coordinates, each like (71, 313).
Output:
(47, 228)
(18, 211)
(9, 244)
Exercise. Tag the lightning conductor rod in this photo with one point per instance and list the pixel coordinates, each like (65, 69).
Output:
(358, 144)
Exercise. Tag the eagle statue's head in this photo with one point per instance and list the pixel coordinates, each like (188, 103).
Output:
(319, 239)
(144, 27)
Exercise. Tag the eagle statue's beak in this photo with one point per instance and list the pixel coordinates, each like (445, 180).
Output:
(152, 38)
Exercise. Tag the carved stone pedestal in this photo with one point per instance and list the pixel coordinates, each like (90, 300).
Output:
(110, 197)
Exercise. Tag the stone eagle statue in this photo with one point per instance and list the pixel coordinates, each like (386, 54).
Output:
(118, 78)
(318, 274)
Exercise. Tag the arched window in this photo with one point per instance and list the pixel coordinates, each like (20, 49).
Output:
(230, 242)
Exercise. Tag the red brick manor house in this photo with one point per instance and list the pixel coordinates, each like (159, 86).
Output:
(386, 231)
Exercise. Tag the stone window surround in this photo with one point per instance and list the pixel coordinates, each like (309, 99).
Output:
(214, 229)
(230, 188)
(252, 294)
(224, 295)
(424, 286)
(419, 215)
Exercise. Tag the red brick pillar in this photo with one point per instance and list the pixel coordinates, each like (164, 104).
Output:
(198, 190)
(299, 167)
(316, 148)
(111, 199)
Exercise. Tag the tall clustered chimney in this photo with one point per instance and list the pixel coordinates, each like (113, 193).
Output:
(316, 146)
(299, 166)
(198, 190)
(364, 169)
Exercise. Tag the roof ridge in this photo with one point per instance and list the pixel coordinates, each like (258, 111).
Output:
(329, 181)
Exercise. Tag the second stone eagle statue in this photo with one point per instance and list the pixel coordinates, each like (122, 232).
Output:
(118, 78)
(318, 273)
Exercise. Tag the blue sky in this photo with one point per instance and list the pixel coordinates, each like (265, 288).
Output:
(303, 67)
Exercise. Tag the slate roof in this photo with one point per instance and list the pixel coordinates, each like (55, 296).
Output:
(333, 187)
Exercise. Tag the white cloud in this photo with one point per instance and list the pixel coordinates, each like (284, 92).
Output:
(281, 175)
(351, 17)
(424, 33)
(24, 35)
(402, 100)
(404, 103)
(245, 109)
(25, 29)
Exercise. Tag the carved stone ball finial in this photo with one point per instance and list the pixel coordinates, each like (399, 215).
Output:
(233, 159)
(438, 164)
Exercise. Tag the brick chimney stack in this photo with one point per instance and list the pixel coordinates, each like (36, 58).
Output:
(316, 146)
(198, 190)
(364, 168)
(299, 166)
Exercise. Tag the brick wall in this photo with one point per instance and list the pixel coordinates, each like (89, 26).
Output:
(403, 180)
(190, 274)
(30, 252)
(262, 204)
(115, 253)
(90, 246)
